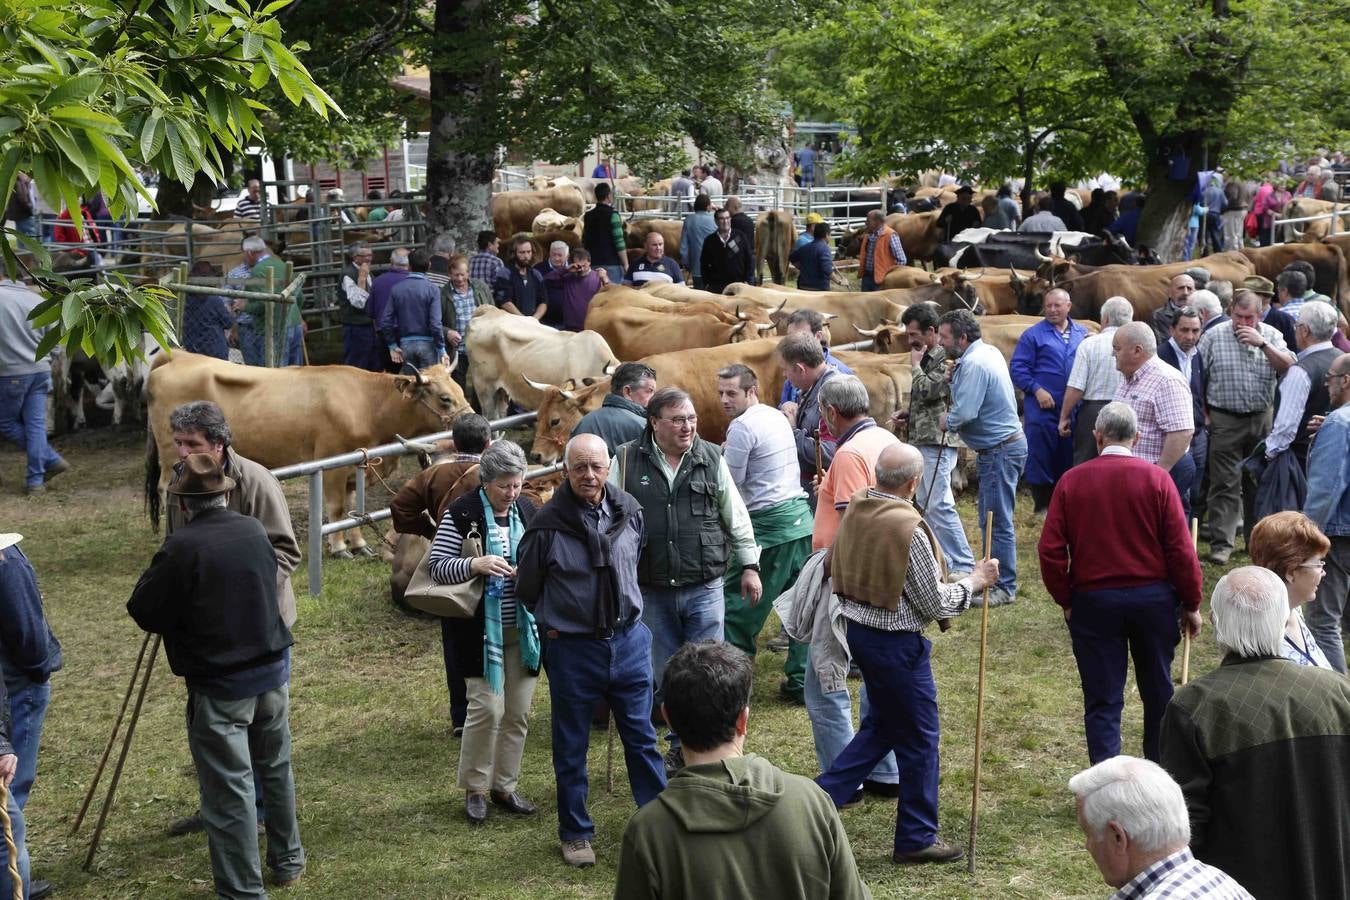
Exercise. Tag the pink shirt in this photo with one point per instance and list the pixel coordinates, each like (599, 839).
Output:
(1161, 400)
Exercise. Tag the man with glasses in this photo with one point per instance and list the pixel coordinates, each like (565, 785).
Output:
(695, 520)
(1328, 505)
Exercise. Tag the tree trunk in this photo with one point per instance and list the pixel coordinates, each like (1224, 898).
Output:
(174, 199)
(1162, 227)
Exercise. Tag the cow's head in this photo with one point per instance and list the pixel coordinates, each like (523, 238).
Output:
(435, 393)
(745, 330)
(1031, 293)
(957, 292)
(850, 242)
(560, 411)
(886, 337)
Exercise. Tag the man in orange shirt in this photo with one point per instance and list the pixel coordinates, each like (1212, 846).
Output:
(881, 252)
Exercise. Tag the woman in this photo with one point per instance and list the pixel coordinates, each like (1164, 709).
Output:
(498, 649)
(1291, 546)
(1267, 210)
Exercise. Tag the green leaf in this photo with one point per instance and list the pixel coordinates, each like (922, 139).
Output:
(45, 50)
(76, 155)
(182, 164)
(8, 124)
(290, 87)
(70, 311)
(83, 115)
(80, 87)
(258, 77)
(152, 135)
(48, 343)
(252, 41)
(46, 312)
(272, 7)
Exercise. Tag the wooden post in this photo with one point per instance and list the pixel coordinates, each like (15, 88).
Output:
(269, 323)
(979, 702)
(1186, 635)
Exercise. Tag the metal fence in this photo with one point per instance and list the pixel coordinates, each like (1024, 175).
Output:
(842, 207)
(1333, 219)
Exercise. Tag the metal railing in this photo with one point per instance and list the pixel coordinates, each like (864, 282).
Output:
(842, 207)
(314, 469)
(1333, 218)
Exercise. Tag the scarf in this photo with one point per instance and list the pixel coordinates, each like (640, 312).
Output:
(493, 654)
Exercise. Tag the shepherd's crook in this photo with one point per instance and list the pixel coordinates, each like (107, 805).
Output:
(14, 878)
(1186, 635)
(112, 738)
(979, 700)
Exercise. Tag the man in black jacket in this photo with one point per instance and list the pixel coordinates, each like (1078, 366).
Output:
(742, 224)
(727, 256)
(211, 591)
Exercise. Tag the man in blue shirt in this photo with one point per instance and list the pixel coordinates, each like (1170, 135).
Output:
(1328, 505)
(809, 321)
(411, 323)
(697, 226)
(520, 289)
(984, 414)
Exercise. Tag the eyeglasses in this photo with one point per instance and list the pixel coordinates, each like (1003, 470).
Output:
(1336, 375)
(1320, 565)
(681, 421)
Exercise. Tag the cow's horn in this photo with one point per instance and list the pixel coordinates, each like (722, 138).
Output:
(1036, 248)
(1297, 232)
(740, 315)
(566, 394)
(419, 446)
(866, 332)
(610, 367)
(1012, 272)
(779, 307)
(737, 329)
(421, 379)
(935, 278)
(965, 277)
(765, 326)
(828, 316)
(537, 385)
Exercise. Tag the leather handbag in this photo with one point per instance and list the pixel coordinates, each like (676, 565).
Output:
(453, 601)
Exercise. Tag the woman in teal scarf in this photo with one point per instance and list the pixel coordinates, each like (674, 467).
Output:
(498, 648)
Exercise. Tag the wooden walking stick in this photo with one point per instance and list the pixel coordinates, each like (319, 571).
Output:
(122, 757)
(1186, 635)
(112, 738)
(14, 878)
(979, 701)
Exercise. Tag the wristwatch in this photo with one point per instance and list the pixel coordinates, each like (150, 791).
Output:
(754, 567)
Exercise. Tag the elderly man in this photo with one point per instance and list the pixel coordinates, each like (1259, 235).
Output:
(727, 256)
(1134, 818)
(688, 497)
(1179, 291)
(1328, 505)
(1209, 307)
(580, 283)
(1303, 390)
(698, 227)
(881, 251)
(25, 384)
(1044, 220)
(622, 416)
(761, 455)
(556, 265)
(1121, 595)
(1259, 747)
(411, 323)
(442, 250)
(360, 343)
(1162, 402)
(984, 416)
(886, 567)
(742, 224)
(1242, 362)
(380, 291)
(700, 838)
(223, 632)
(1093, 381)
(654, 265)
(1040, 368)
(287, 330)
(804, 367)
(1271, 314)
(812, 322)
(460, 299)
(577, 572)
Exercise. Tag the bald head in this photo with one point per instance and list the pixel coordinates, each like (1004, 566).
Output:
(582, 443)
(1180, 288)
(586, 464)
(1056, 307)
(898, 469)
(733, 205)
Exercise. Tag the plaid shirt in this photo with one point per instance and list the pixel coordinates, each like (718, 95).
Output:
(1241, 379)
(1161, 400)
(1181, 877)
(925, 597)
(464, 305)
(1094, 369)
(485, 267)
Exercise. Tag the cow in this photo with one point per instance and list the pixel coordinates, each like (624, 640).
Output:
(695, 371)
(669, 229)
(548, 220)
(774, 236)
(918, 235)
(296, 414)
(1312, 232)
(632, 191)
(76, 376)
(994, 289)
(124, 393)
(887, 379)
(633, 332)
(515, 211)
(1327, 260)
(559, 412)
(1144, 286)
(890, 338)
(585, 185)
(845, 310)
(504, 347)
(684, 299)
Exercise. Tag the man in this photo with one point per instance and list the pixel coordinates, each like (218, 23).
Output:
(520, 290)
(808, 233)
(360, 343)
(556, 264)
(603, 169)
(1303, 390)
(761, 455)
(411, 323)
(806, 162)
(23, 206)
(881, 251)
(708, 183)
(1328, 505)
(577, 573)
(683, 190)
(579, 284)
(442, 249)
(804, 367)
(1258, 746)
(1290, 286)
(1179, 291)
(485, 265)
(1064, 207)
(1044, 219)
(1237, 200)
(1208, 305)
(957, 217)
(930, 396)
(809, 321)
(1182, 353)
(460, 298)
(1040, 368)
(993, 216)
(378, 302)
(698, 227)
(1162, 403)
(730, 818)
(1093, 381)
(211, 591)
(622, 416)
(249, 205)
(25, 382)
(1138, 833)
(1011, 209)
(726, 256)
(815, 261)
(742, 224)
(29, 655)
(1264, 288)
(695, 519)
(1116, 555)
(891, 580)
(1241, 363)
(984, 416)
(654, 265)
(287, 331)
(602, 235)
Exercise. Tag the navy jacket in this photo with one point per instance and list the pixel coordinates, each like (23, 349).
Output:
(1282, 322)
(1169, 356)
(29, 652)
(414, 311)
(814, 263)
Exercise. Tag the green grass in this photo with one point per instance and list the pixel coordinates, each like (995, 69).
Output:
(375, 761)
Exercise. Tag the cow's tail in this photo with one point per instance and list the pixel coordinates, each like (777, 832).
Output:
(152, 500)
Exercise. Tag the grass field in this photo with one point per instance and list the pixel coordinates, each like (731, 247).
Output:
(375, 761)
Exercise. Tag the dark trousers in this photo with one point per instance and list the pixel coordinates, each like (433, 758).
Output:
(1084, 442)
(868, 283)
(580, 672)
(361, 348)
(1183, 476)
(454, 681)
(902, 717)
(1104, 626)
(1200, 486)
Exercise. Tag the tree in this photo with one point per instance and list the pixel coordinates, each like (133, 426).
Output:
(92, 89)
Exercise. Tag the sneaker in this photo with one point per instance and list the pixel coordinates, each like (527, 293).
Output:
(937, 852)
(457, 731)
(52, 472)
(33, 490)
(578, 854)
(674, 760)
(888, 789)
(779, 643)
(39, 888)
(997, 597)
(1219, 557)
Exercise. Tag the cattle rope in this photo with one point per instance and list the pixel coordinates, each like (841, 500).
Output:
(9, 843)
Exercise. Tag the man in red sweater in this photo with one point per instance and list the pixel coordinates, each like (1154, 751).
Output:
(1116, 555)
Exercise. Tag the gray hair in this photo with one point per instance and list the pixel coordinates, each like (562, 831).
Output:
(1206, 302)
(1139, 333)
(399, 258)
(499, 460)
(253, 244)
(356, 249)
(1199, 275)
(1117, 311)
(1140, 797)
(196, 505)
(443, 244)
(1293, 281)
(203, 416)
(1249, 608)
(1117, 422)
(1221, 289)
(846, 394)
(559, 245)
(895, 477)
(1320, 320)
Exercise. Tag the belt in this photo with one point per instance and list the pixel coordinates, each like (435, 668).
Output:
(1238, 415)
(1015, 436)
(599, 634)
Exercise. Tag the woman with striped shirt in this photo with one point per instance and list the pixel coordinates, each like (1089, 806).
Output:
(498, 648)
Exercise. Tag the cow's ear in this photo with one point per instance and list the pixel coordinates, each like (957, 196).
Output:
(405, 385)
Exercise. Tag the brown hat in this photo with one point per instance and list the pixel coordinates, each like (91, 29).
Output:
(1258, 285)
(199, 475)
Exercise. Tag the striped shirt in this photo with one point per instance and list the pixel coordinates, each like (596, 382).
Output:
(448, 567)
(1161, 400)
(1094, 369)
(1241, 379)
(1181, 877)
(248, 208)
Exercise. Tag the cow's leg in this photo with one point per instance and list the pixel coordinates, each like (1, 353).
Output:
(335, 508)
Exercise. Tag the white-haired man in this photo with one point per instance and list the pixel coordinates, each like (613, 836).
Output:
(1093, 381)
(1259, 747)
(287, 331)
(1303, 390)
(1134, 818)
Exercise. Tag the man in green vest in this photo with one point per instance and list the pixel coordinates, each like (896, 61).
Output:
(287, 333)
(695, 520)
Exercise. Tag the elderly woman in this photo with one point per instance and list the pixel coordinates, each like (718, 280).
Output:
(497, 649)
(1291, 546)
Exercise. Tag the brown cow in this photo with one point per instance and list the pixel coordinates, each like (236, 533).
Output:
(846, 310)
(891, 337)
(559, 412)
(1327, 260)
(1144, 286)
(633, 332)
(773, 243)
(681, 298)
(695, 371)
(918, 233)
(887, 379)
(515, 211)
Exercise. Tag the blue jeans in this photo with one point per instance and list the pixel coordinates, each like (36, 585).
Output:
(1184, 476)
(868, 283)
(28, 708)
(418, 352)
(1199, 454)
(250, 342)
(831, 718)
(998, 470)
(615, 273)
(295, 346)
(20, 841)
(940, 511)
(903, 722)
(582, 670)
(681, 615)
(23, 420)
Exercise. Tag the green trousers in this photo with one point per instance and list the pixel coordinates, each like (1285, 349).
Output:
(778, 568)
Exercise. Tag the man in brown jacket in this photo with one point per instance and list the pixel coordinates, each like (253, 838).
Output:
(418, 506)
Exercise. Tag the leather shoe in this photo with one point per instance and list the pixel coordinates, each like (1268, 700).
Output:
(514, 803)
(186, 825)
(881, 789)
(853, 802)
(475, 807)
(52, 472)
(39, 889)
(937, 852)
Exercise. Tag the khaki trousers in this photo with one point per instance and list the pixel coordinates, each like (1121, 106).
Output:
(1231, 440)
(496, 725)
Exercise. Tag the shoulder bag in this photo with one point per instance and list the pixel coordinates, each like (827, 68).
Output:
(454, 601)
